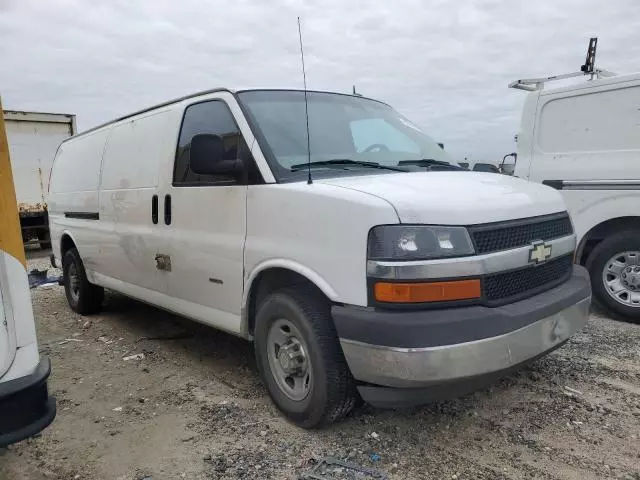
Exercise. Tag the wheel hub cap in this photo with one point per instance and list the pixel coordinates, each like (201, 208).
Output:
(288, 361)
(621, 278)
(292, 357)
(631, 277)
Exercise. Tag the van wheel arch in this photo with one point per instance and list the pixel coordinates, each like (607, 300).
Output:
(603, 230)
(66, 244)
(271, 280)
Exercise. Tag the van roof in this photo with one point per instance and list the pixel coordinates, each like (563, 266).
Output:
(206, 92)
(596, 82)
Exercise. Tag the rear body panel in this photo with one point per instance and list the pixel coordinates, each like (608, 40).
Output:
(25, 406)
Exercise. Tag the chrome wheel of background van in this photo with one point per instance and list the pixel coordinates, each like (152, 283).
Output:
(621, 278)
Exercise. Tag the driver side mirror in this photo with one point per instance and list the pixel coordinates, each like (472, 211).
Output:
(508, 165)
(206, 157)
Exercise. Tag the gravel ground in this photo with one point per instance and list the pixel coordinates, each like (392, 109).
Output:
(194, 408)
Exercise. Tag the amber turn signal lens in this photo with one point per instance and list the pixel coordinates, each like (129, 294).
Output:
(426, 292)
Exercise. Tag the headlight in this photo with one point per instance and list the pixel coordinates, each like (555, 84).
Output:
(418, 242)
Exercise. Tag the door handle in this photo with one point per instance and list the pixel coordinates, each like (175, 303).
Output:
(154, 209)
(167, 209)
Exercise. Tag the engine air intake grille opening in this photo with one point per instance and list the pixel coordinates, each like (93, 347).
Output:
(492, 238)
(503, 287)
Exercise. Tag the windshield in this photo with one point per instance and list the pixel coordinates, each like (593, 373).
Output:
(352, 131)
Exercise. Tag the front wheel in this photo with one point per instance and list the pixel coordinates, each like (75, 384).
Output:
(614, 267)
(300, 360)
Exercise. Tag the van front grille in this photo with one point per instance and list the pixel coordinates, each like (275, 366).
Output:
(519, 233)
(506, 287)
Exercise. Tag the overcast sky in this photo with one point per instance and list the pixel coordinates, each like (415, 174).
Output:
(444, 64)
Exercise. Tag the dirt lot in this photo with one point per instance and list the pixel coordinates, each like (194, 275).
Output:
(194, 408)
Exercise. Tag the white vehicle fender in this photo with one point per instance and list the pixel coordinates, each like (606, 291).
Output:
(67, 233)
(288, 264)
(588, 215)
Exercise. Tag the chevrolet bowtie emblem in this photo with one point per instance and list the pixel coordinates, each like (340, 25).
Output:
(539, 252)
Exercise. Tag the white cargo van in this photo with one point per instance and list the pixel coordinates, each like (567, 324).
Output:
(365, 265)
(584, 140)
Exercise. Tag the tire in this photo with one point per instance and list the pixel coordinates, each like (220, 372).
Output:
(84, 298)
(599, 261)
(331, 392)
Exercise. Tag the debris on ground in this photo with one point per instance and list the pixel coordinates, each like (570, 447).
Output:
(333, 469)
(573, 390)
(175, 336)
(137, 356)
(39, 278)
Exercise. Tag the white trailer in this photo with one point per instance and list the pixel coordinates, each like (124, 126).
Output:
(33, 140)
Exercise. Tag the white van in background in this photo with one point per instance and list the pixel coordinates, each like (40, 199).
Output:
(584, 141)
(361, 263)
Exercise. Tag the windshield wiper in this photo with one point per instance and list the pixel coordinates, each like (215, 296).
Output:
(338, 162)
(430, 164)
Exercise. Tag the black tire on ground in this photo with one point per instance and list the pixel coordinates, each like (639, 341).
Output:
(44, 238)
(332, 393)
(88, 297)
(596, 264)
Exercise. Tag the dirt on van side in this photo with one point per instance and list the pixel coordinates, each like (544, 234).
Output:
(143, 394)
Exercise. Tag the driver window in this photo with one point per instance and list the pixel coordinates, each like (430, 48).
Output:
(375, 131)
(213, 117)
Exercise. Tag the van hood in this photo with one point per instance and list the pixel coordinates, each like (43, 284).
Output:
(456, 198)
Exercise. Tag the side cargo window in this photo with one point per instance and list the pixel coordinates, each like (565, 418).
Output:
(212, 117)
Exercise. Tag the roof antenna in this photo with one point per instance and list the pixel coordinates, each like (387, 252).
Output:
(306, 107)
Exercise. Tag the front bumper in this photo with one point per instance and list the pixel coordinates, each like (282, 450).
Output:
(25, 405)
(444, 348)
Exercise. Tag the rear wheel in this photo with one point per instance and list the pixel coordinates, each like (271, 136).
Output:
(300, 360)
(614, 267)
(83, 297)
